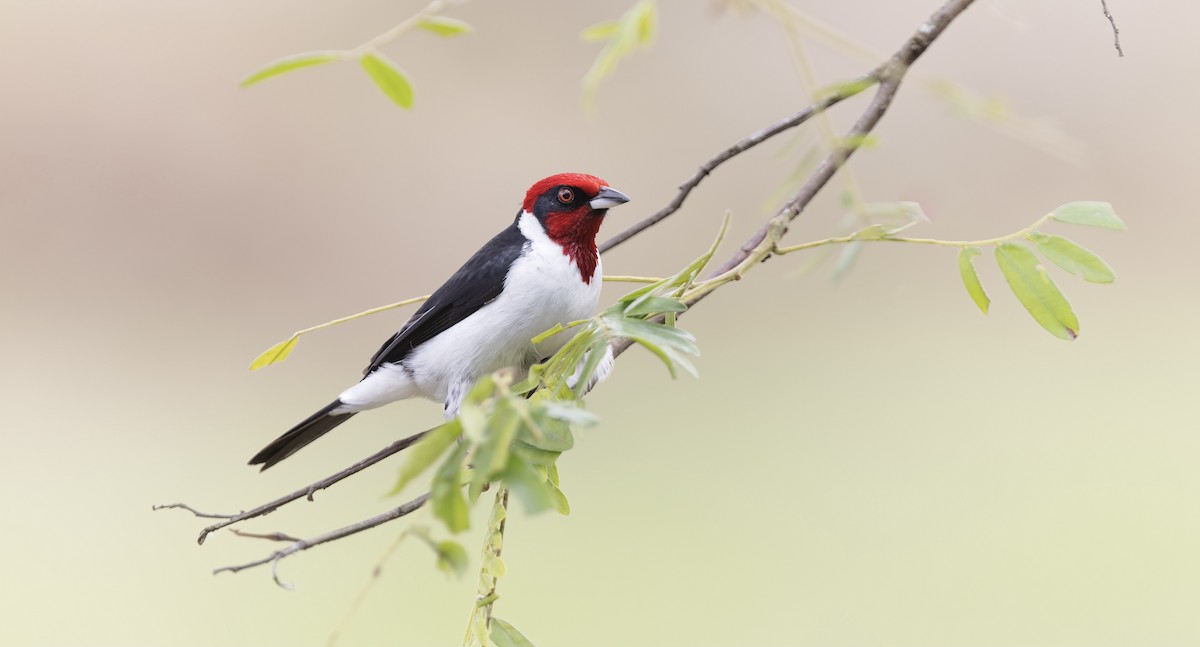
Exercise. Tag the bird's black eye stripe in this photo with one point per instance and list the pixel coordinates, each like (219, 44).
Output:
(565, 195)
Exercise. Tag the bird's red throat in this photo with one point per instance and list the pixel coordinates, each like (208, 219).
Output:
(575, 231)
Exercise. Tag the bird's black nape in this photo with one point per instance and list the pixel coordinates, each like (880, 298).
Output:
(312, 428)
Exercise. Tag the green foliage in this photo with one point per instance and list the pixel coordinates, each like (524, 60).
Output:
(636, 28)
(426, 452)
(276, 353)
(1092, 214)
(289, 63)
(389, 78)
(1073, 258)
(451, 558)
(970, 278)
(445, 27)
(1036, 290)
(504, 634)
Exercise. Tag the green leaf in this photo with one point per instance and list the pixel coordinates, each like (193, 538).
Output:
(451, 558)
(874, 232)
(443, 26)
(551, 435)
(560, 503)
(289, 63)
(449, 504)
(492, 456)
(1092, 214)
(390, 79)
(425, 453)
(601, 31)
(506, 635)
(529, 486)
(652, 305)
(648, 331)
(534, 455)
(846, 259)
(569, 412)
(1036, 291)
(647, 22)
(970, 278)
(895, 216)
(1073, 258)
(495, 566)
(276, 353)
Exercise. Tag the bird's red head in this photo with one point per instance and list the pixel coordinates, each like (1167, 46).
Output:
(571, 207)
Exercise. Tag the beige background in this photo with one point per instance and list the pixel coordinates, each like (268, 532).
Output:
(871, 462)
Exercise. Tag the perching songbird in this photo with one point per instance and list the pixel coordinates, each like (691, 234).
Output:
(542, 270)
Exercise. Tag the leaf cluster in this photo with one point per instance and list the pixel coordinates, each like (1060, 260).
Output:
(1026, 275)
(389, 77)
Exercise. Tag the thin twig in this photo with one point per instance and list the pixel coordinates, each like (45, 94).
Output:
(272, 536)
(841, 94)
(1116, 32)
(301, 545)
(184, 506)
(305, 492)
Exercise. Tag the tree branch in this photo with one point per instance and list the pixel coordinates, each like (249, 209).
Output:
(750, 141)
(305, 492)
(333, 535)
(1116, 32)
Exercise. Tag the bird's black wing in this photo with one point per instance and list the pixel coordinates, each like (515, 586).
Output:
(473, 286)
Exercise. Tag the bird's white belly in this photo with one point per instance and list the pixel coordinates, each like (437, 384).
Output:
(544, 288)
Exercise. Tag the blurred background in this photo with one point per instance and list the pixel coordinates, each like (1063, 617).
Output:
(869, 461)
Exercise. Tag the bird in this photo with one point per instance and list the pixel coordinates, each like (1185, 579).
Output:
(542, 270)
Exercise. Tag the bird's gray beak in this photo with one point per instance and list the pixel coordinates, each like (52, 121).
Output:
(608, 198)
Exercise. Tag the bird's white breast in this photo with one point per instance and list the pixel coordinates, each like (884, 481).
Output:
(543, 288)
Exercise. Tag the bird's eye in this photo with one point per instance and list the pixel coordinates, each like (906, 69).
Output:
(565, 196)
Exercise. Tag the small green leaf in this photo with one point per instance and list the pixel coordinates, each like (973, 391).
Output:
(846, 259)
(495, 566)
(390, 79)
(1036, 291)
(601, 31)
(451, 558)
(449, 504)
(426, 452)
(1092, 214)
(652, 305)
(289, 63)
(874, 232)
(569, 412)
(647, 22)
(1073, 258)
(552, 435)
(561, 505)
(276, 353)
(895, 216)
(529, 486)
(506, 635)
(443, 26)
(970, 278)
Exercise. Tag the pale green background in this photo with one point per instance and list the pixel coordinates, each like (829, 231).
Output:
(868, 463)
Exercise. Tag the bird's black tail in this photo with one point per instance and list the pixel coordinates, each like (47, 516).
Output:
(312, 428)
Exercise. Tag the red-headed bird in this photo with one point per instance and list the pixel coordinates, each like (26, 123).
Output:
(542, 270)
